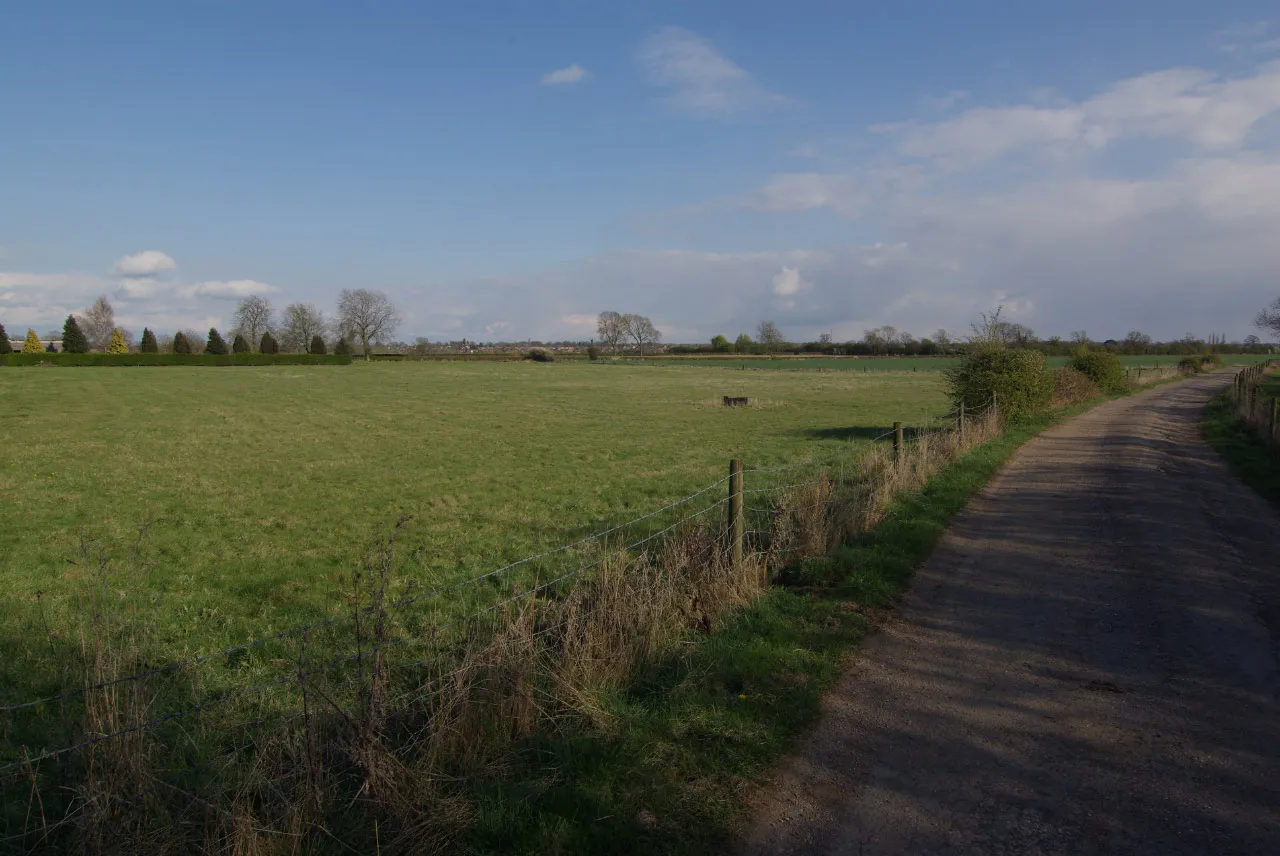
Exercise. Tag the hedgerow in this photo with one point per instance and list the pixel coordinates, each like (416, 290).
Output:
(98, 359)
(1017, 378)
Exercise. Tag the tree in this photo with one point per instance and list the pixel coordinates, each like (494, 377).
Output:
(300, 324)
(744, 344)
(942, 338)
(721, 345)
(768, 334)
(268, 345)
(1136, 342)
(240, 345)
(368, 315)
(1269, 318)
(5, 346)
(181, 344)
(343, 348)
(73, 338)
(99, 322)
(317, 345)
(253, 318)
(215, 345)
(1080, 337)
(117, 345)
(641, 331)
(196, 340)
(611, 329)
(32, 344)
(149, 343)
(993, 329)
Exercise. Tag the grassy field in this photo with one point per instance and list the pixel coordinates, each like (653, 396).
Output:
(1254, 461)
(252, 491)
(869, 365)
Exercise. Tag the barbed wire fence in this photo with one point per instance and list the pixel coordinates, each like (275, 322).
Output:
(415, 686)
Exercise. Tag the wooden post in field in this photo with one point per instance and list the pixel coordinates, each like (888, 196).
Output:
(1275, 417)
(961, 424)
(897, 443)
(737, 527)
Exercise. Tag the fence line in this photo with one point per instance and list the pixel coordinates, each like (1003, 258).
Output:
(1254, 407)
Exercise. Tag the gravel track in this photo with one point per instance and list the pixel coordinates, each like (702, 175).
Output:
(1087, 664)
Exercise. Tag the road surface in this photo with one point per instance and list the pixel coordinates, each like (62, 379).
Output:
(1087, 664)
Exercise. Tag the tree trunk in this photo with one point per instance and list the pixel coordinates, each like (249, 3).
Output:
(365, 343)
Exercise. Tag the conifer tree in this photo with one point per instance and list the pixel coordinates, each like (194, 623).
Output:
(181, 344)
(216, 344)
(342, 349)
(240, 345)
(73, 338)
(5, 347)
(268, 345)
(149, 343)
(32, 344)
(317, 346)
(117, 344)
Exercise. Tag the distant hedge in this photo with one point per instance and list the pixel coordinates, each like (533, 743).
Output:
(173, 360)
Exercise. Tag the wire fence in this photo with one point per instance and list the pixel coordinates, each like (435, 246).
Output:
(1255, 407)
(415, 677)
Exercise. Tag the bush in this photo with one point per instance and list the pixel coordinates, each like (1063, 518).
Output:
(32, 344)
(181, 344)
(593, 353)
(149, 344)
(5, 347)
(343, 348)
(540, 355)
(240, 345)
(1102, 368)
(1191, 365)
(1019, 378)
(1211, 361)
(268, 345)
(175, 359)
(217, 346)
(73, 338)
(117, 344)
(317, 346)
(1071, 387)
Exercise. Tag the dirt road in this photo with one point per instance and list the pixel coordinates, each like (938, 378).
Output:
(1087, 664)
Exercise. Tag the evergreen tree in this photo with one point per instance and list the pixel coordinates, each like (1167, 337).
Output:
(117, 345)
(317, 345)
(73, 338)
(5, 347)
(149, 343)
(268, 344)
(181, 344)
(240, 345)
(216, 344)
(342, 349)
(32, 344)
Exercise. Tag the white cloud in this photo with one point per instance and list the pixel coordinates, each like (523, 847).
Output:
(145, 263)
(573, 74)
(137, 288)
(703, 81)
(235, 289)
(787, 282)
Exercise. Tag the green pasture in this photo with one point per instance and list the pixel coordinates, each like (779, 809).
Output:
(868, 365)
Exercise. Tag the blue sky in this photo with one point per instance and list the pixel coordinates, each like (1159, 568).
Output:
(508, 170)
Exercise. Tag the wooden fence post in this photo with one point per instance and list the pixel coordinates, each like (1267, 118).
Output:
(1275, 417)
(737, 528)
(961, 424)
(897, 443)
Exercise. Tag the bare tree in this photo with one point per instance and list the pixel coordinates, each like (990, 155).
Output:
(98, 323)
(196, 340)
(611, 330)
(641, 331)
(942, 337)
(366, 315)
(1269, 318)
(252, 318)
(993, 329)
(768, 334)
(299, 324)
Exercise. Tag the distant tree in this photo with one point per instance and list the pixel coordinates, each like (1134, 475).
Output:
(5, 346)
(181, 344)
(149, 343)
(300, 324)
(942, 338)
(768, 334)
(253, 318)
(117, 345)
(317, 345)
(593, 352)
(1136, 342)
(240, 345)
(1080, 337)
(641, 331)
(744, 344)
(368, 315)
(268, 345)
(99, 322)
(215, 344)
(993, 329)
(343, 348)
(1252, 341)
(73, 338)
(611, 330)
(721, 345)
(32, 344)
(1269, 318)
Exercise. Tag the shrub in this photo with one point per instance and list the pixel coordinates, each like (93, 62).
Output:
(135, 359)
(343, 348)
(32, 344)
(1102, 368)
(73, 338)
(268, 345)
(240, 345)
(181, 344)
(117, 345)
(593, 353)
(1190, 365)
(540, 355)
(216, 344)
(5, 347)
(149, 344)
(1211, 360)
(317, 345)
(1071, 387)
(1018, 377)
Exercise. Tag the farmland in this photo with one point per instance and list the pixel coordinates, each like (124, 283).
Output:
(250, 493)
(870, 365)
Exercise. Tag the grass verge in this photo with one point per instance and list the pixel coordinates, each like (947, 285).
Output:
(697, 731)
(1252, 460)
